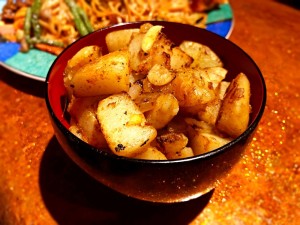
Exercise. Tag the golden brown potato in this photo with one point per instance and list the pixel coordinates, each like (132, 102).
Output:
(120, 39)
(160, 75)
(234, 113)
(124, 125)
(165, 108)
(83, 114)
(214, 75)
(203, 56)
(84, 56)
(157, 50)
(179, 59)
(191, 89)
(206, 142)
(210, 112)
(172, 144)
(151, 153)
(108, 75)
(150, 38)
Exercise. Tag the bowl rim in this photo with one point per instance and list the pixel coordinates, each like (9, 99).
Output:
(250, 129)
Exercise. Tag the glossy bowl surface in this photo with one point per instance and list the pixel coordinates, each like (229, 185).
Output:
(157, 181)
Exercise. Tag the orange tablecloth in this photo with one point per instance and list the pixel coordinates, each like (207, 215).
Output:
(40, 185)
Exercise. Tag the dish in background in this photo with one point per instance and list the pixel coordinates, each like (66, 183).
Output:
(219, 21)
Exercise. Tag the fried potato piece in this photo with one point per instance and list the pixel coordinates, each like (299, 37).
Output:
(173, 145)
(179, 59)
(120, 39)
(206, 142)
(108, 75)
(203, 56)
(158, 52)
(235, 110)
(151, 153)
(160, 75)
(150, 37)
(191, 88)
(165, 108)
(88, 54)
(124, 125)
(84, 121)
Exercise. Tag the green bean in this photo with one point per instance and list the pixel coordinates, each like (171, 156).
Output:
(85, 19)
(27, 26)
(36, 6)
(77, 20)
(51, 42)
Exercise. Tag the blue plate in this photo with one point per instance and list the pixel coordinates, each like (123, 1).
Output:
(35, 63)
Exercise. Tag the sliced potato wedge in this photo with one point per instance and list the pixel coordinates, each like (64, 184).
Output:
(108, 75)
(120, 39)
(235, 110)
(206, 142)
(165, 108)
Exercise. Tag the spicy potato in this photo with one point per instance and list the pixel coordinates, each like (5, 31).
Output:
(84, 121)
(124, 125)
(165, 108)
(235, 110)
(108, 75)
(119, 40)
(203, 56)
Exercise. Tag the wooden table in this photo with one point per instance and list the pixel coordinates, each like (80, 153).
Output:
(40, 185)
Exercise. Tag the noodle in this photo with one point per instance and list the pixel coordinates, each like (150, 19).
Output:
(60, 23)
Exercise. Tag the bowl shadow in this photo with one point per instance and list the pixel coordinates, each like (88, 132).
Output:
(73, 197)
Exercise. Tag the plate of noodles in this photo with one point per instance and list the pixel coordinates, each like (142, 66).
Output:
(34, 32)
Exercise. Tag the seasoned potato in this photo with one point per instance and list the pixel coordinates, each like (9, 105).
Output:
(84, 56)
(206, 142)
(165, 108)
(108, 75)
(150, 38)
(234, 113)
(214, 75)
(191, 89)
(158, 50)
(172, 144)
(210, 112)
(85, 123)
(151, 153)
(120, 39)
(160, 75)
(124, 125)
(203, 56)
(179, 59)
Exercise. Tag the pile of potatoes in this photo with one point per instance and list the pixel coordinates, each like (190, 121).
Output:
(150, 99)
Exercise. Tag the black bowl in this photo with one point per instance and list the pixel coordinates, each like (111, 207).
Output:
(157, 181)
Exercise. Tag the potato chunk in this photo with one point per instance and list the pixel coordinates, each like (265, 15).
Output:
(191, 88)
(203, 56)
(235, 110)
(120, 39)
(165, 108)
(151, 153)
(84, 56)
(174, 145)
(83, 114)
(206, 142)
(124, 125)
(108, 75)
